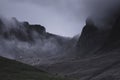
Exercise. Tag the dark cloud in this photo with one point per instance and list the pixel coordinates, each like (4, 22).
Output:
(102, 10)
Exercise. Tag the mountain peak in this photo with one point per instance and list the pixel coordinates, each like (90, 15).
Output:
(21, 30)
(89, 27)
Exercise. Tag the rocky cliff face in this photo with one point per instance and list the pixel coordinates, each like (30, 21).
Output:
(91, 39)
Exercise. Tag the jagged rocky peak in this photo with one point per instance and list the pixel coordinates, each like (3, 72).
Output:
(88, 32)
(26, 23)
(34, 27)
(21, 30)
(91, 39)
(89, 22)
(89, 27)
(38, 28)
(94, 39)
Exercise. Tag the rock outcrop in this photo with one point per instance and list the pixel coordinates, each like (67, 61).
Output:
(92, 39)
(22, 31)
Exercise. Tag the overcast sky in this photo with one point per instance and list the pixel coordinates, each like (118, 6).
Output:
(63, 17)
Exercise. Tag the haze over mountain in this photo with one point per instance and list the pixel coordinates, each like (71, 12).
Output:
(31, 43)
(94, 54)
(58, 16)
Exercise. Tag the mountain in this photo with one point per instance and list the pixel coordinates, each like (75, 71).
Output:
(93, 56)
(31, 43)
(96, 55)
(13, 70)
(91, 39)
(22, 31)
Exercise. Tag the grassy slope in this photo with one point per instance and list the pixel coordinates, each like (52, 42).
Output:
(13, 70)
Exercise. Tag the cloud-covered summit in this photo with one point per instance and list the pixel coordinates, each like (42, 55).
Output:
(61, 17)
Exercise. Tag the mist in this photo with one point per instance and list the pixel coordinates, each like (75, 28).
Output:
(60, 17)
(43, 46)
(102, 11)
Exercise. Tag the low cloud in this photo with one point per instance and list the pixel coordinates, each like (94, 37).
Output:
(61, 17)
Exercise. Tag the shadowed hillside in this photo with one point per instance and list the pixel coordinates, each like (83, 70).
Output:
(13, 70)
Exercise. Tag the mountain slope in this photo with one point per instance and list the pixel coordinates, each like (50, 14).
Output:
(13, 70)
(97, 56)
(30, 43)
(91, 39)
